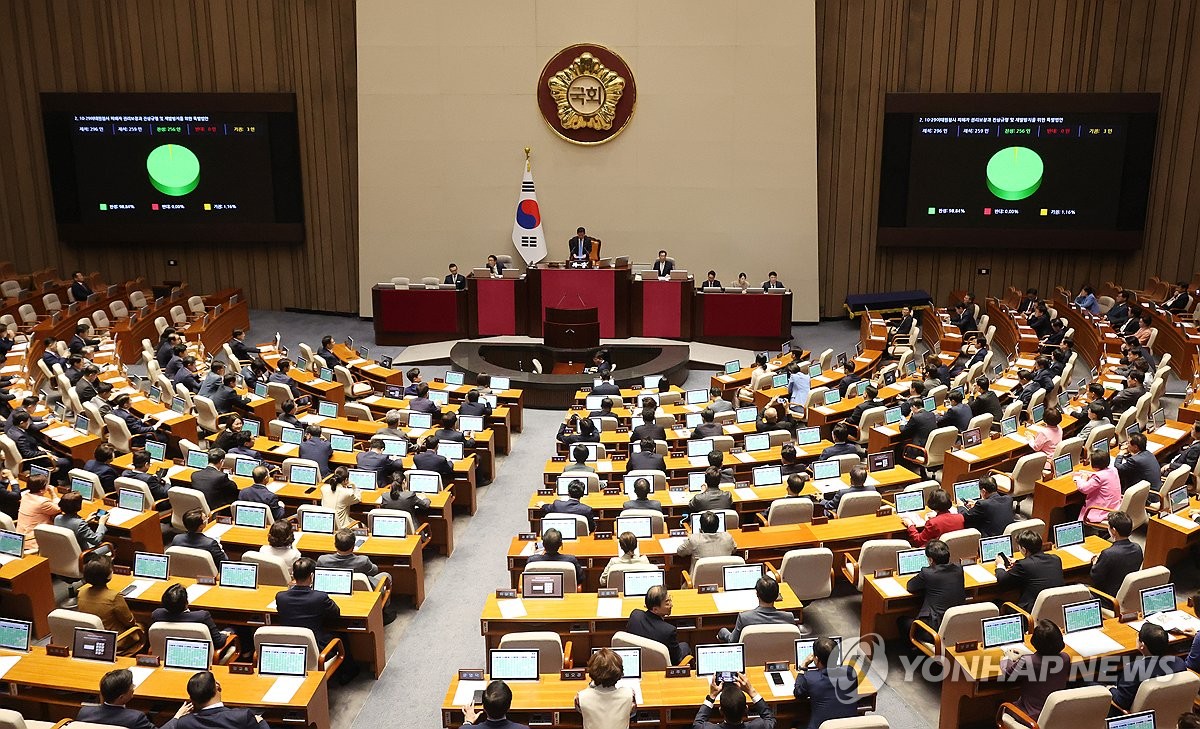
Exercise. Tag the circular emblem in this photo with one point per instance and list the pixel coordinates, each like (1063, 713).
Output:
(586, 94)
(528, 215)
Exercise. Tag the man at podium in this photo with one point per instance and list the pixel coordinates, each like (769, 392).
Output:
(581, 245)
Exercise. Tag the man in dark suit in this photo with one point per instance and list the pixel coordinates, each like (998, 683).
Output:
(858, 484)
(450, 433)
(708, 426)
(712, 282)
(712, 498)
(241, 350)
(346, 559)
(1178, 301)
(136, 426)
(50, 355)
(316, 449)
(1154, 660)
(1027, 387)
(1119, 559)
(919, 424)
(195, 521)
(176, 361)
(166, 346)
(212, 380)
(474, 406)
(207, 710)
(422, 404)
(1128, 397)
(831, 690)
(326, 352)
(101, 464)
(495, 266)
(662, 266)
(651, 623)
(870, 400)
(646, 459)
(841, 444)
(81, 341)
(963, 318)
(572, 504)
(772, 282)
(606, 409)
(552, 552)
(583, 431)
(257, 492)
(283, 375)
(80, 290)
(116, 690)
(300, 606)
(985, 401)
(606, 386)
(958, 414)
(374, 459)
(941, 583)
(734, 710)
(497, 699)
(1035, 572)
(218, 489)
(86, 387)
(1119, 313)
(991, 513)
(186, 375)
(649, 429)
(1027, 302)
(642, 500)
(226, 396)
(579, 248)
(428, 459)
(1188, 456)
(28, 448)
(141, 472)
(1138, 464)
(175, 609)
(456, 278)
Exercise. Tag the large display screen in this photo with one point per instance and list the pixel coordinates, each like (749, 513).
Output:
(174, 167)
(1016, 170)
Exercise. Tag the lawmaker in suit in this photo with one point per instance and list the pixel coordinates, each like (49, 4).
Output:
(772, 282)
(606, 386)
(195, 520)
(208, 711)
(734, 709)
(258, 492)
(454, 277)
(919, 424)
(831, 689)
(1036, 571)
(1178, 301)
(572, 504)
(1118, 559)
(712, 497)
(858, 484)
(1138, 464)
(28, 448)
(116, 690)
(958, 415)
(428, 459)
(141, 471)
(579, 248)
(767, 591)
(708, 542)
(1128, 397)
(175, 609)
(95, 598)
(663, 266)
(651, 623)
(80, 291)
(708, 426)
(87, 533)
(225, 396)
(374, 459)
(218, 489)
(244, 352)
(317, 449)
(649, 429)
(401, 498)
(991, 513)
(473, 405)
(497, 699)
(346, 559)
(1154, 660)
(985, 401)
(552, 552)
(646, 459)
(941, 583)
(642, 500)
(300, 606)
(495, 266)
(101, 465)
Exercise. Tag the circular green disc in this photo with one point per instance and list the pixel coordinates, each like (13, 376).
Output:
(173, 170)
(1014, 173)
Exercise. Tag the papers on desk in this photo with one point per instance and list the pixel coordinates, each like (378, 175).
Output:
(606, 607)
(10, 370)
(1017, 438)
(872, 481)
(195, 591)
(890, 587)
(1112, 385)
(966, 455)
(119, 516)
(528, 549)
(982, 575)
(271, 605)
(635, 685)
(286, 449)
(1088, 643)
(1026, 364)
(174, 471)
(164, 416)
(284, 688)
(822, 409)
(140, 673)
(466, 691)
(311, 419)
(1180, 521)
(216, 531)
(860, 360)
(1006, 382)
(680, 497)
(736, 601)
(830, 486)
(724, 378)
(512, 608)
(6, 664)
(276, 486)
(352, 362)
(783, 687)
(1169, 432)
(671, 544)
(1172, 621)
(692, 408)
(607, 466)
(731, 430)
(370, 399)
(136, 588)
(60, 432)
(744, 457)
(1079, 552)
(746, 493)
(698, 461)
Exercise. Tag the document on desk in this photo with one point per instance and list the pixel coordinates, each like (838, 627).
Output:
(744, 457)
(967, 456)
(311, 419)
(528, 549)
(982, 575)
(1180, 521)
(119, 516)
(1006, 382)
(785, 685)
(465, 692)
(736, 601)
(136, 588)
(692, 408)
(725, 378)
(140, 673)
(216, 531)
(6, 664)
(1088, 643)
(746, 493)
(635, 685)
(371, 399)
(60, 432)
(1154, 446)
(608, 607)
(732, 430)
(174, 471)
(512, 608)
(671, 544)
(1168, 432)
(680, 497)
(1079, 552)
(284, 688)
(872, 481)
(697, 461)
(890, 587)
(195, 591)
(165, 416)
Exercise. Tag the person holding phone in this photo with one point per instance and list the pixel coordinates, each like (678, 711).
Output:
(831, 691)
(734, 709)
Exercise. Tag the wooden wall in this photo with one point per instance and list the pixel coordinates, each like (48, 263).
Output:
(869, 47)
(301, 46)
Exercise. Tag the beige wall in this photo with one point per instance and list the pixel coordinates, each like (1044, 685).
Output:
(718, 164)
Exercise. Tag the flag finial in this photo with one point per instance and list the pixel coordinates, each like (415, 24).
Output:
(527, 150)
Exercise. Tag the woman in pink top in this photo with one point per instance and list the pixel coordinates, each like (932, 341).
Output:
(1102, 488)
(36, 508)
(1145, 324)
(1047, 437)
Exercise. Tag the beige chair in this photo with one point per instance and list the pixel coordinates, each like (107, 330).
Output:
(207, 416)
(1037, 525)
(10, 289)
(790, 511)
(1100, 434)
(137, 299)
(959, 623)
(52, 304)
(767, 643)
(809, 572)
(252, 504)
(183, 500)
(272, 570)
(190, 562)
(314, 363)
(551, 651)
(326, 660)
(1013, 409)
(657, 479)
(196, 305)
(1128, 597)
(933, 455)
(1074, 446)
(289, 462)
(353, 390)
(119, 310)
(1049, 603)
(400, 282)
(1067, 709)
(722, 443)
(658, 524)
(1020, 482)
(280, 393)
(654, 654)
(6, 522)
(874, 721)
(983, 421)
(963, 544)
(566, 569)
(871, 418)
(616, 574)
(64, 622)
(178, 316)
(220, 655)
(410, 523)
(709, 570)
(60, 548)
(875, 554)
(860, 504)
(10, 719)
(12, 457)
(275, 428)
(1167, 696)
(1133, 503)
(140, 486)
(161, 324)
(95, 419)
(234, 362)
(98, 491)
(355, 411)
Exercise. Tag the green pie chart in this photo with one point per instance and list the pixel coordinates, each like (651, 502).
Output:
(173, 170)
(1014, 173)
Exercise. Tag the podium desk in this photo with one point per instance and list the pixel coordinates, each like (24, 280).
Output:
(27, 593)
(496, 306)
(1166, 538)
(605, 289)
(369, 370)
(662, 308)
(213, 329)
(753, 319)
(309, 384)
(413, 316)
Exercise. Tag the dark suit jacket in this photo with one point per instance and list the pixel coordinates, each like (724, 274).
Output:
(764, 720)
(1187, 457)
(475, 408)
(991, 515)
(560, 557)
(132, 422)
(653, 431)
(606, 388)
(827, 699)
(81, 291)
(405, 501)
(188, 379)
(856, 414)
(1032, 574)
(943, 586)
(26, 445)
(459, 280)
(652, 504)
(431, 461)
(85, 390)
(1142, 668)
(319, 450)
(241, 350)
(1118, 314)
(380, 463)
(161, 615)
(571, 506)
(221, 717)
(330, 358)
(1113, 564)
(1141, 467)
(988, 402)
(163, 353)
(217, 487)
(304, 607)
(707, 430)
(225, 397)
(573, 247)
(1124, 400)
(918, 427)
(641, 461)
(114, 715)
(663, 268)
(959, 416)
(841, 449)
(710, 499)
(262, 495)
(106, 473)
(201, 541)
(650, 626)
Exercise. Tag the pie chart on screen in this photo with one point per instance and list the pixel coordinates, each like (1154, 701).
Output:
(1014, 173)
(174, 170)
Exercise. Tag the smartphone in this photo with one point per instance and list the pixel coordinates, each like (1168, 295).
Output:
(726, 676)
(776, 678)
(1004, 558)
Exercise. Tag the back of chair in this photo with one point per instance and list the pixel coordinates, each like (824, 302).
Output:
(657, 479)
(872, 721)
(196, 305)
(548, 644)
(272, 570)
(709, 570)
(1026, 473)
(768, 643)
(658, 524)
(655, 656)
(722, 443)
(289, 462)
(290, 636)
(159, 632)
(860, 504)
(183, 500)
(1074, 446)
(1128, 595)
(59, 546)
(280, 393)
(566, 569)
(1099, 434)
(410, 524)
(207, 416)
(809, 572)
(983, 421)
(64, 622)
(190, 562)
(1133, 503)
(790, 511)
(137, 298)
(582, 525)
(878, 554)
(616, 574)
(1049, 603)
(1167, 696)
(1037, 525)
(962, 622)
(98, 491)
(1078, 707)
(136, 484)
(963, 543)
(940, 441)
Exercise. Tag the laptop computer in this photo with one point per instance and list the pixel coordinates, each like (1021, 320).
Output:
(1063, 465)
(699, 448)
(758, 442)
(424, 483)
(303, 475)
(1140, 720)
(696, 397)
(341, 443)
(804, 649)
(1008, 426)
(471, 423)
(131, 499)
(454, 378)
(85, 487)
(197, 459)
(317, 522)
(989, 547)
(764, 476)
(639, 583)
(691, 420)
(891, 416)
(732, 366)
(1082, 616)
(420, 421)
(513, 664)
(805, 436)
(94, 645)
(187, 654)
(1068, 534)
(971, 438)
(453, 450)
(908, 502)
(361, 478)
(327, 409)
(500, 384)
(394, 447)
(741, 576)
(569, 528)
(746, 415)
(827, 475)
(1004, 631)
(291, 436)
(157, 450)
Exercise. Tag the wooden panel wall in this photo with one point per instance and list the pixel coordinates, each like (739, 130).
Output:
(869, 47)
(301, 46)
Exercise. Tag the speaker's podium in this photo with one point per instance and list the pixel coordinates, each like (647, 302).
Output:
(571, 328)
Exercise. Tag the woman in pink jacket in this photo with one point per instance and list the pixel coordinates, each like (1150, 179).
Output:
(1101, 488)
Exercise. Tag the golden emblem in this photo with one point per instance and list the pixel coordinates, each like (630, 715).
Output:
(586, 93)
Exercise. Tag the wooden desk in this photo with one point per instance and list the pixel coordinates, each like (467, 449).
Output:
(214, 330)
(142, 533)
(309, 384)
(51, 688)
(412, 316)
(27, 593)
(1165, 539)
(503, 420)
(678, 467)
(730, 383)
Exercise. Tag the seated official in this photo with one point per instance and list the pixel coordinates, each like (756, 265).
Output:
(212, 380)
(28, 448)
(941, 585)
(283, 375)
(870, 400)
(715, 460)
(414, 381)
(1154, 659)
(579, 248)
(80, 290)
(186, 375)
(974, 352)
(957, 415)
(195, 520)
(1040, 673)
(551, 552)
(96, 598)
(422, 404)
(858, 484)
(116, 690)
(711, 281)
(767, 590)
(651, 624)
(137, 427)
(166, 346)
(1129, 396)
(205, 710)
(708, 542)
(226, 396)
(497, 700)
(242, 351)
(646, 459)
(719, 404)
(339, 494)
(392, 428)
(216, 485)
(841, 444)
(712, 497)
(1034, 572)
(940, 523)
(662, 266)
(175, 609)
(1101, 488)
(428, 459)
(36, 507)
(1097, 416)
(317, 449)
(1189, 455)
(578, 430)
(776, 419)
(649, 429)
(346, 559)
(1086, 299)
(1027, 387)
(1179, 299)
(606, 409)
(384, 466)
(495, 266)
(449, 432)
(831, 690)
(708, 426)
(301, 606)
(227, 436)
(992, 512)
(772, 282)
(174, 364)
(1138, 464)
(919, 424)
(641, 499)
(244, 446)
(89, 533)
(628, 543)
(603, 703)
(734, 710)
(258, 492)
(281, 541)
(606, 386)
(1120, 558)
(916, 389)
(1046, 436)
(791, 462)
(456, 278)
(473, 406)
(1027, 302)
(572, 504)
(849, 378)
(578, 462)
(400, 497)
(325, 353)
